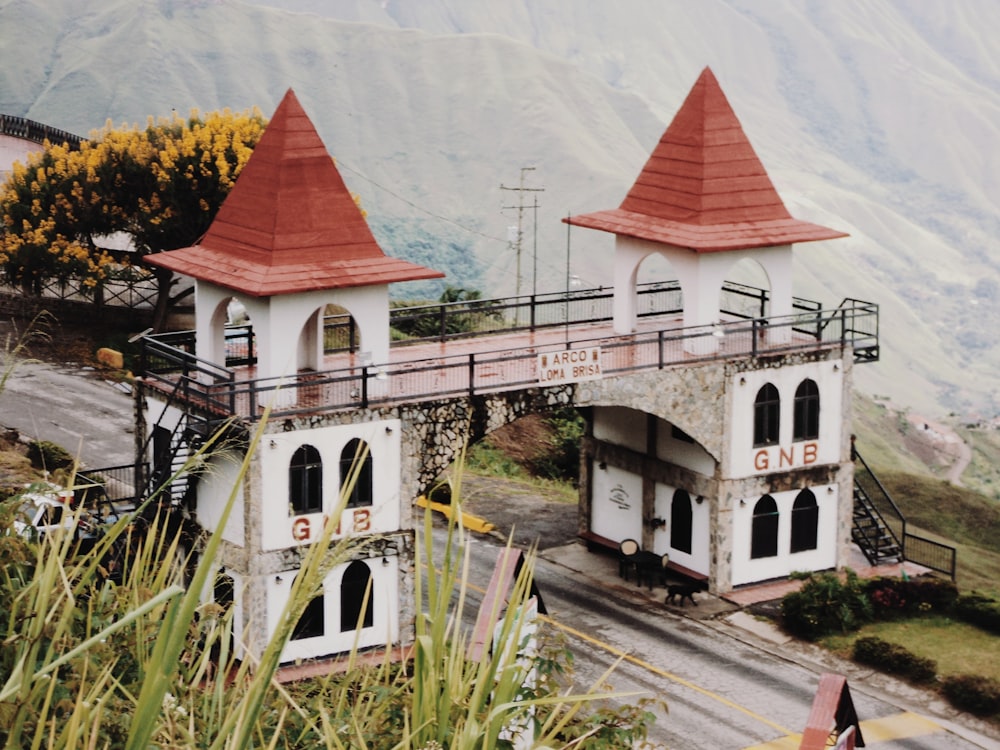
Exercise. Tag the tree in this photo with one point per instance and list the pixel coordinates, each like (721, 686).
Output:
(161, 185)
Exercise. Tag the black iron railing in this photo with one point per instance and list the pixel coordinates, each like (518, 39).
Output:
(169, 359)
(29, 130)
(915, 548)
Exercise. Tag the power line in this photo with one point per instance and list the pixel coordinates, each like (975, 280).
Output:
(410, 203)
(521, 190)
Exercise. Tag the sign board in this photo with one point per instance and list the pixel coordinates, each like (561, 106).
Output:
(569, 366)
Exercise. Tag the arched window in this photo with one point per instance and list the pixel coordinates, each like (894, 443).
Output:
(305, 481)
(764, 532)
(680, 521)
(353, 589)
(806, 422)
(766, 415)
(361, 493)
(805, 522)
(312, 623)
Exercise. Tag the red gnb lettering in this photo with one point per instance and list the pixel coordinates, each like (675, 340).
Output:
(810, 452)
(760, 460)
(362, 519)
(301, 530)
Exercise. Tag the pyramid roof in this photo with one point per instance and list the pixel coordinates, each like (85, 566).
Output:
(289, 224)
(704, 188)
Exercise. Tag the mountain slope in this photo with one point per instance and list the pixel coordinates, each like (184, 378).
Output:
(878, 119)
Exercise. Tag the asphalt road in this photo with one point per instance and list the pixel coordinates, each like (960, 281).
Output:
(73, 407)
(721, 686)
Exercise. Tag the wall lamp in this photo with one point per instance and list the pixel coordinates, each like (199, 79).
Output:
(603, 466)
(278, 579)
(700, 499)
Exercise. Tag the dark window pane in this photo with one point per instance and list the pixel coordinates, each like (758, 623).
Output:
(352, 597)
(806, 422)
(805, 522)
(764, 531)
(361, 492)
(680, 522)
(766, 416)
(312, 624)
(305, 481)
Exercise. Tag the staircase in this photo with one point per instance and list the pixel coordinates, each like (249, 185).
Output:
(880, 530)
(871, 533)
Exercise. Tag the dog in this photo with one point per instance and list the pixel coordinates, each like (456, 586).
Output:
(678, 592)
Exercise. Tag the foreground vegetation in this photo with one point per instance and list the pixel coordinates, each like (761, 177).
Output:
(88, 662)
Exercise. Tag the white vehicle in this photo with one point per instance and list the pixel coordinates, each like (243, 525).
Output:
(40, 514)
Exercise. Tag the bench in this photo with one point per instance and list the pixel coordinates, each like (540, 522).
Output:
(687, 572)
(595, 541)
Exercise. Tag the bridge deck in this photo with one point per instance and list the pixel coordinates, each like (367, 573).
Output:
(428, 370)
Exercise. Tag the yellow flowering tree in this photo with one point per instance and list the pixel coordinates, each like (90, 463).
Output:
(161, 184)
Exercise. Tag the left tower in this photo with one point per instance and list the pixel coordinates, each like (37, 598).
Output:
(291, 246)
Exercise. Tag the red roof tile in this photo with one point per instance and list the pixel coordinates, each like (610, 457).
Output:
(704, 188)
(289, 224)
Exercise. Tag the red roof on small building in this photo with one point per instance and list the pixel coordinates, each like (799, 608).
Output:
(289, 224)
(704, 188)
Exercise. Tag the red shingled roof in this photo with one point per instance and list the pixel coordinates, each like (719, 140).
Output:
(704, 188)
(289, 224)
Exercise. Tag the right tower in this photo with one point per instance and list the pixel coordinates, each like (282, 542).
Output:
(768, 489)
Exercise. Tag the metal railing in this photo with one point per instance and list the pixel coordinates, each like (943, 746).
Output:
(929, 553)
(29, 130)
(169, 359)
(466, 318)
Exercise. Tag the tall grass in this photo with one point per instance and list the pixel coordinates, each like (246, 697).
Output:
(144, 662)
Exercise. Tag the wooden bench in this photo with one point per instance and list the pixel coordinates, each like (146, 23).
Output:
(687, 572)
(595, 541)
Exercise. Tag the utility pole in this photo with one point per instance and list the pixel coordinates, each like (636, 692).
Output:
(520, 206)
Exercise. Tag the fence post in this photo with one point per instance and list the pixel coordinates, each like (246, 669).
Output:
(472, 374)
(753, 336)
(843, 326)
(442, 323)
(364, 386)
(660, 353)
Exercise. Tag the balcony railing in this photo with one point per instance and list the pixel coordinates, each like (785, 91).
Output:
(169, 362)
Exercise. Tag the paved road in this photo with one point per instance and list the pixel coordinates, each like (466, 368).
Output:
(73, 407)
(723, 687)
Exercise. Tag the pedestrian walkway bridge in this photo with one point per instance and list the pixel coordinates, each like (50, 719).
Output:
(466, 348)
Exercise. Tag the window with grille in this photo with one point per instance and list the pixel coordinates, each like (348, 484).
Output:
(305, 481)
(357, 458)
(806, 417)
(766, 416)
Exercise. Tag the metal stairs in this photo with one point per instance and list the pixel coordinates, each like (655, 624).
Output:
(871, 533)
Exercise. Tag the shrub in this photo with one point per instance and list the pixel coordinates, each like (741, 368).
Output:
(977, 695)
(979, 610)
(895, 659)
(903, 597)
(48, 456)
(826, 605)
(562, 460)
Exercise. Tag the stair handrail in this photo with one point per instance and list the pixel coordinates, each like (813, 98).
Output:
(884, 499)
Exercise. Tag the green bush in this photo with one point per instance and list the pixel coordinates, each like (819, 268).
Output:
(895, 659)
(48, 456)
(906, 597)
(977, 695)
(979, 610)
(562, 461)
(826, 605)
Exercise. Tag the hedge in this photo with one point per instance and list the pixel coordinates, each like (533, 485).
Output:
(893, 658)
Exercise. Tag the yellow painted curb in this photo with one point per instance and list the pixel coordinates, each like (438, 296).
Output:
(469, 521)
